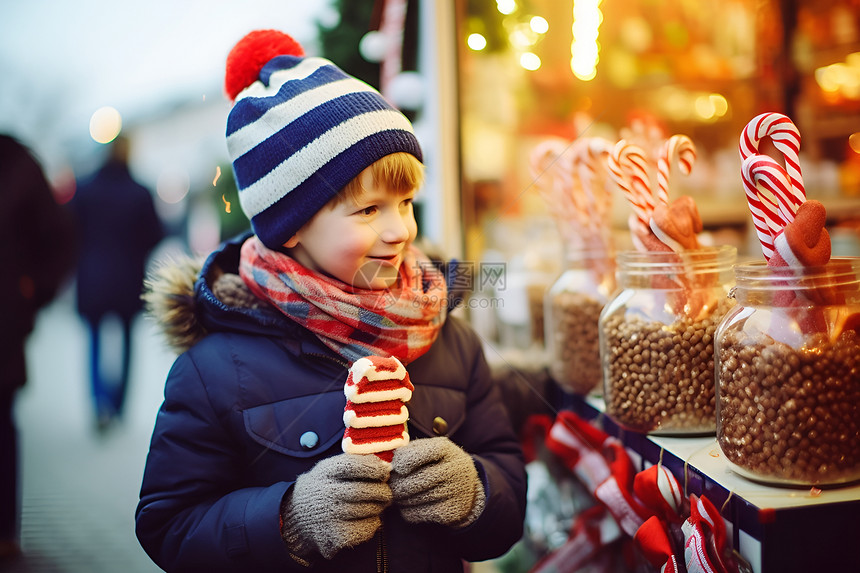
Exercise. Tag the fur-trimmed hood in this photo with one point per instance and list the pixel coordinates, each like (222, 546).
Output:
(180, 292)
(169, 298)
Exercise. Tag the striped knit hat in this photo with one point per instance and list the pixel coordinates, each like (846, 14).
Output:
(299, 131)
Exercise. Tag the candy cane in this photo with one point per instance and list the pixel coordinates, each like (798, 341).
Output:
(550, 166)
(628, 168)
(581, 190)
(547, 169)
(786, 138)
(680, 147)
(586, 158)
(770, 213)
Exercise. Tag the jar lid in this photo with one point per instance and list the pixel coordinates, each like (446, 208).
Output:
(841, 273)
(708, 259)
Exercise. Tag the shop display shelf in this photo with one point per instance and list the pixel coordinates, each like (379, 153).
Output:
(775, 529)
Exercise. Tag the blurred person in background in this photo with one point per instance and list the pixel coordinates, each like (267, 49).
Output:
(118, 228)
(36, 254)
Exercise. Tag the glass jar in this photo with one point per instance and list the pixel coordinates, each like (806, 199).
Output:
(572, 308)
(656, 339)
(788, 374)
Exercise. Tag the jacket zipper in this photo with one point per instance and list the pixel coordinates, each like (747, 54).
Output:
(343, 363)
(381, 553)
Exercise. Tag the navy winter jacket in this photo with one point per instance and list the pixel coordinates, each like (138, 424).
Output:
(227, 443)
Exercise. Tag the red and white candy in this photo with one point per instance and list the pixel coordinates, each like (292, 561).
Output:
(785, 137)
(657, 224)
(761, 173)
(628, 167)
(678, 147)
(375, 415)
(790, 228)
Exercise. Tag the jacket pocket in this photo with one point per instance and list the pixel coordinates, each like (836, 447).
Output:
(301, 427)
(436, 411)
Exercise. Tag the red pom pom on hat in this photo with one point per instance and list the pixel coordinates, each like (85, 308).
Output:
(251, 53)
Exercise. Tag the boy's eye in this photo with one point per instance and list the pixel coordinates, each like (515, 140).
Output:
(368, 210)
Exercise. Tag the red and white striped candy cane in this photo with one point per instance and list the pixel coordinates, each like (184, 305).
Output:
(586, 159)
(551, 167)
(786, 138)
(680, 147)
(771, 211)
(628, 168)
(548, 171)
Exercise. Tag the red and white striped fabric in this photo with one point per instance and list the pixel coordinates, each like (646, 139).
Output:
(705, 538)
(580, 446)
(375, 415)
(658, 489)
(656, 545)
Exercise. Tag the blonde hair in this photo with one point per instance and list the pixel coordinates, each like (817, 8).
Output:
(398, 172)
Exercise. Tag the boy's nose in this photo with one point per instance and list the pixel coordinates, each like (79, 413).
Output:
(396, 228)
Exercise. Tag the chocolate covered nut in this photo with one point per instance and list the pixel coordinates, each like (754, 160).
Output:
(574, 362)
(791, 414)
(660, 377)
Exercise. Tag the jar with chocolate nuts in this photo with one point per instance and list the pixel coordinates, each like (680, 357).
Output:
(656, 339)
(572, 308)
(788, 374)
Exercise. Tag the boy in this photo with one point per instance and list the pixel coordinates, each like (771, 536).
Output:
(245, 470)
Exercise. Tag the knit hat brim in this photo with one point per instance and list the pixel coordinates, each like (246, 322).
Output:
(299, 134)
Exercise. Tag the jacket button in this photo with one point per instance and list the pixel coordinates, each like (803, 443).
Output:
(440, 426)
(309, 440)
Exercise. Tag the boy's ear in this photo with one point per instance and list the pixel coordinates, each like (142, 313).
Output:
(292, 241)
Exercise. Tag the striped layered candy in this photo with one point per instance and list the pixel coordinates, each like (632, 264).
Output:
(375, 416)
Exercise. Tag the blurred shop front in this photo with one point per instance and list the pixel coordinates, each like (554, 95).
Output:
(532, 70)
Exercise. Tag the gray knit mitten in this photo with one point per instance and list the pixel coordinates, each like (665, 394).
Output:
(336, 504)
(434, 481)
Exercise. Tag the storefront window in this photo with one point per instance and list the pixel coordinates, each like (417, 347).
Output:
(530, 70)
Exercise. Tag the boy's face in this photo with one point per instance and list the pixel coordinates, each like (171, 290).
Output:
(361, 242)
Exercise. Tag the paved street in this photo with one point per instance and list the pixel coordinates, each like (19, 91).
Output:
(79, 488)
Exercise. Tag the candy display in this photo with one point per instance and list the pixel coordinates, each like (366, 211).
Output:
(572, 309)
(656, 334)
(572, 180)
(659, 364)
(375, 415)
(788, 354)
(788, 392)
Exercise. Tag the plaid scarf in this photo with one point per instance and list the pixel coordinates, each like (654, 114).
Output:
(402, 321)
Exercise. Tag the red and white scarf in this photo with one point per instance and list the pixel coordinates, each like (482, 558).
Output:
(401, 321)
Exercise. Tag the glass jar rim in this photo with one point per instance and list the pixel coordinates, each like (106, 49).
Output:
(710, 259)
(581, 252)
(839, 272)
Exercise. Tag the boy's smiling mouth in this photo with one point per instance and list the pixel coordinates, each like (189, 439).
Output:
(388, 258)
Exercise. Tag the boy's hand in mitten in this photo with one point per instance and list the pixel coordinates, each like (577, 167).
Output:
(434, 481)
(336, 504)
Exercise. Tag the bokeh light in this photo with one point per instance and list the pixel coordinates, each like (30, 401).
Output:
(539, 25)
(584, 49)
(854, 141)
(105, 124)
(172, 186)
(476, 42)
(530, 61)
(506, 6)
